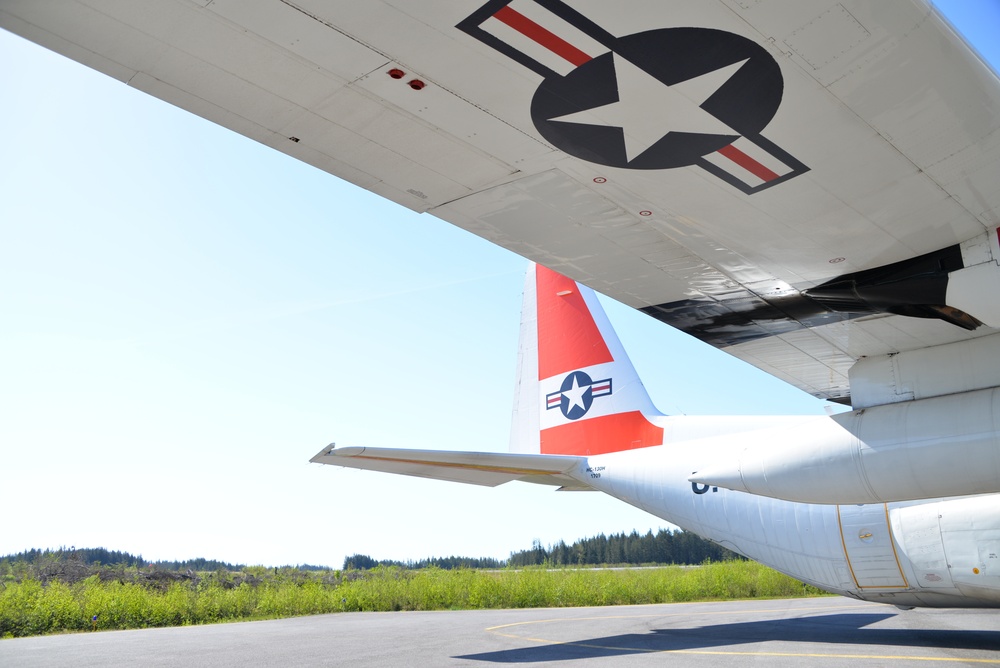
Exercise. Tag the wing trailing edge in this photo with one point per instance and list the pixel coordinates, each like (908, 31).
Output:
(477, 468)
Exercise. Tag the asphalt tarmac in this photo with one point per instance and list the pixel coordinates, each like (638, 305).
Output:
(827, 632)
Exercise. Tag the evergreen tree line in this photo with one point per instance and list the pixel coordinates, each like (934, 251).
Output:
(364, 562)
(98, 555)
(665, 547)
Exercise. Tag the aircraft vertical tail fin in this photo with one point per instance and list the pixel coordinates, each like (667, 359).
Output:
(577, 392)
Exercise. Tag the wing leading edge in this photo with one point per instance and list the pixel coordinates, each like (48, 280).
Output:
(477, 468)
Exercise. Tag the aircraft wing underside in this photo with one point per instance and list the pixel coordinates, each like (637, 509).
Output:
(816, 177)
(477, 468)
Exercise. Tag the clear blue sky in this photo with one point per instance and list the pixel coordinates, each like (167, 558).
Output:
(188, 317)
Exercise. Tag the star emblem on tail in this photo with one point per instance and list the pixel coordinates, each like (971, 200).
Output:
(576, 394)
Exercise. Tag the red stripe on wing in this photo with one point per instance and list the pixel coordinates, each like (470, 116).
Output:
(747, 163)
(543, 36)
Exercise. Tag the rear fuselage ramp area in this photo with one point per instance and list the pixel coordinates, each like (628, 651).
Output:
(869, 547)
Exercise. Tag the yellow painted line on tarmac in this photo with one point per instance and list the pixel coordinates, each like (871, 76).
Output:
(802, 655)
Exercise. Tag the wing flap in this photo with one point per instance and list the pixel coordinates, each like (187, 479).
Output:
(476, 468)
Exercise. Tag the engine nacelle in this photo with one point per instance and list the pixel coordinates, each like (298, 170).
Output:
(922, 449)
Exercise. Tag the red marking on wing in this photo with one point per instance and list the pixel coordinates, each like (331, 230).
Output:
(543, 36)
(601, 435)
(568, 337)
(747, 163)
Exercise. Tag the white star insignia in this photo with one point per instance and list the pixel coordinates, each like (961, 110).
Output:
(647, 109)
(575, 395)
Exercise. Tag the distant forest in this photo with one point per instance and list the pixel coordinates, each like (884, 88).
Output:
(102, 557)
(664, 547)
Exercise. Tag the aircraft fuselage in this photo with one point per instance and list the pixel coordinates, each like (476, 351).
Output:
(938, 553)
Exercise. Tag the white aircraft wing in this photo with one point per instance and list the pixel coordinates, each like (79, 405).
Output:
(476, 468)
(803, 183)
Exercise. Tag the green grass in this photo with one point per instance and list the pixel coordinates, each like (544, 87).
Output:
(30, 608)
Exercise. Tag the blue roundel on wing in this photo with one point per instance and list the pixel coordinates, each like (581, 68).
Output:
(742, 101)
(577, 395)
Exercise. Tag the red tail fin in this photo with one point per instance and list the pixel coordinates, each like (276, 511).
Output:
(577, 392)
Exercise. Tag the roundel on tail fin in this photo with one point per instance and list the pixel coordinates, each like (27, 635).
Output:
(576, 394)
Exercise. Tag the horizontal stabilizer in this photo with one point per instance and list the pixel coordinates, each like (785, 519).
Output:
(477, 468)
